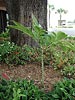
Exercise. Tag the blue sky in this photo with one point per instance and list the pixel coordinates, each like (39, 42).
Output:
(65, 4)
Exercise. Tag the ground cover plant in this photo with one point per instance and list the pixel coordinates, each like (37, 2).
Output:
(11, 53)
(68, 71)
(4, 36)
(64, 90)
(27, 90)
(20, 90)
(54, 56)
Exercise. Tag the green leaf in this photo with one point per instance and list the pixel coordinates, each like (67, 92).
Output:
(34, 21)
(55, 96)
(22, 28)
(60, 35)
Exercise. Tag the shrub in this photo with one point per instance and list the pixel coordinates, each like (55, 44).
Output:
(63, 90)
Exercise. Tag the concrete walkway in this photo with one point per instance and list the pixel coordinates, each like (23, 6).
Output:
(69, 31)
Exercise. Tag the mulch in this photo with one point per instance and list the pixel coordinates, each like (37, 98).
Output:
(33, 72)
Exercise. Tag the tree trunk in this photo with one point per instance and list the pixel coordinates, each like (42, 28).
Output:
(60, 19)
(49, 18)
(20, 11)
(3, 21)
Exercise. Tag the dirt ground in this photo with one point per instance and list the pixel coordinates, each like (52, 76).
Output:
(33, 72)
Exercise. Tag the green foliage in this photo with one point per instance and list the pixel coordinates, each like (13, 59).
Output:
(26, 90)
(6, 90)
(42, 38)
(5, 49)
(12, 54)
(5, 34)
(20, 90)
(63, 53)
(63, 90)
(69, 71)
(53, 55)
(61, 10)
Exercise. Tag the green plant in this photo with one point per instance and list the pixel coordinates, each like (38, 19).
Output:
(51, 8)
(5, 34)
(5, 90)
(17, 94)
(44, 40)
(20, 90)
(63, 90)
(13, 54)
(68, 71)
(64, 55)
(5, 49)
(9, 53)
(60, 11)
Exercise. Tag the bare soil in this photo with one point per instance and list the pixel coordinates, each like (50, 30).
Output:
(33, 72)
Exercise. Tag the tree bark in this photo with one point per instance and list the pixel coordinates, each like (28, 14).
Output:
(3, 21)
(60, 19)
(20, 11)
(49, 18)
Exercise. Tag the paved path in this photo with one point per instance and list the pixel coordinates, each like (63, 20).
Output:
(69, 31)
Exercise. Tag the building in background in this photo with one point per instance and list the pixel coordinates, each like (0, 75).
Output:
(63, 22)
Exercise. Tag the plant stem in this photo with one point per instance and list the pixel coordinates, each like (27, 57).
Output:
(42, 62)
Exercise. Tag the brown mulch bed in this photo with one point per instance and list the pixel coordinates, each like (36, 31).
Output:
(33, 72)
